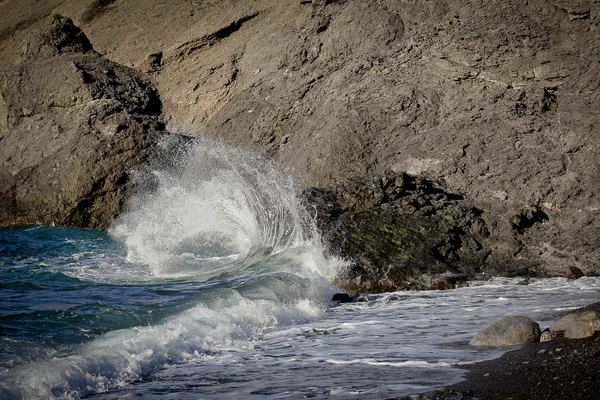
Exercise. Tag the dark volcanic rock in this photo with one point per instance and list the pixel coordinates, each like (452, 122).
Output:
(342, 298)
(574, 273)
(77, 125)
(399, 233)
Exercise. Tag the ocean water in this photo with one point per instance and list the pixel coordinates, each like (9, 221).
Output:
(213, 284)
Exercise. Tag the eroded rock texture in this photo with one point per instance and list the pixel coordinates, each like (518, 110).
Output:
(492, 103)
(77, 124)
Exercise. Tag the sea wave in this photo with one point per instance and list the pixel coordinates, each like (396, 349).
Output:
(222, 216)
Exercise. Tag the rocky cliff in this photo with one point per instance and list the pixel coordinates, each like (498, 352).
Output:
(488, 108)
(77, 124)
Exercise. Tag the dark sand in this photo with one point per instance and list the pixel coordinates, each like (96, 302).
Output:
(560, 369)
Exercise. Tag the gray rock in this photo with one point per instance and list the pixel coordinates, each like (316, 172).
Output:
(78, 124)
(585, 325)
(508, 331)
(578, 325)
(564, 322)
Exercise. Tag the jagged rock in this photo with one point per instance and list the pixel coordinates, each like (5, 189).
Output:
(59, 36)
(399, 232)
(508, 331)
(505, 117)
(77, 126)
(342, 298)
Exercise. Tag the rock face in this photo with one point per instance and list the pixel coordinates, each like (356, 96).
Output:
(76, 126)
(494, 104)
(495, 101)
(508, 331)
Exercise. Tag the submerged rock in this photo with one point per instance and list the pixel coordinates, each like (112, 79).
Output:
(78, 124)
(508, 331)
(342, 298)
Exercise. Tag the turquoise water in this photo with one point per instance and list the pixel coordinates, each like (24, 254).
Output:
(44, 306)
(47, 303)
(217, 251)
(214, 285)
(66, 291)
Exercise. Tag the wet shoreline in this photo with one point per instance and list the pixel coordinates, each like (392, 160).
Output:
(558, 369)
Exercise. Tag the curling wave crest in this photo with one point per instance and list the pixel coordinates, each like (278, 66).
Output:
(220, 218)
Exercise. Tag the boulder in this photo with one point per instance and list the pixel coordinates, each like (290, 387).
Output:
(564, 322)
(586, 325)
(574, 273)
(78, 126)
(508, 331)
(578, 325)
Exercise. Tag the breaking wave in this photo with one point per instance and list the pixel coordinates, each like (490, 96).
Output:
(221, 218)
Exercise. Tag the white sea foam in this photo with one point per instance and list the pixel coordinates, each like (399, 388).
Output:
(223, 215)
(372, 362)
(229, 221)
(221, 204)
(230, 323)
(393, 345)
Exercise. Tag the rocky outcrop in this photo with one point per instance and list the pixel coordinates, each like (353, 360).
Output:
(508, 331)
(494, 101)
(77, 125)
(399, 233)
(491, 103)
